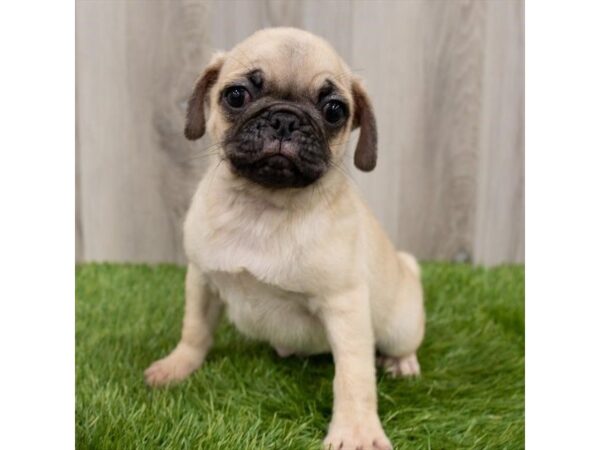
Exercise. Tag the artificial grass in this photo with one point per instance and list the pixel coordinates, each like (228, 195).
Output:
(471, 393)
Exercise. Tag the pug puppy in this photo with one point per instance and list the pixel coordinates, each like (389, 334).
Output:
(277, 233)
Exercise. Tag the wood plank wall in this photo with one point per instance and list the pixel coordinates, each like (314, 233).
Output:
(446, 78)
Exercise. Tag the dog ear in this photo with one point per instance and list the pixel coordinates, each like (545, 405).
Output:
(195, 123)
(365, 155)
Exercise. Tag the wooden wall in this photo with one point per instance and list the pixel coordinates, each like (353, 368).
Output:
(446, 78)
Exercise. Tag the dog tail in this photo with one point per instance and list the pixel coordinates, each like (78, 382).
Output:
(411, 263)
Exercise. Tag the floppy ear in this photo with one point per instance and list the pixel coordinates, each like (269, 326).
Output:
(365, 155)
(195, 123)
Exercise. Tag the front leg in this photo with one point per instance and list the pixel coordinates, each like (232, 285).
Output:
(355, 423)
(202, 312)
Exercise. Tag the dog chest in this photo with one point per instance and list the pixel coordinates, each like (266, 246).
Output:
(275, 248)
(268, 313)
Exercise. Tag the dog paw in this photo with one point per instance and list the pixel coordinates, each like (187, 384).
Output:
(406, 366)
(284, 352)
(357, 436)
(174, 368)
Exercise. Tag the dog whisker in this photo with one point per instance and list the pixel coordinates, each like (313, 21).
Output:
(347, 75)
(346, 173)
(213, 173)
(246, 66)
(200, 156)
(323, 195)
(203, 153)
(339, 143)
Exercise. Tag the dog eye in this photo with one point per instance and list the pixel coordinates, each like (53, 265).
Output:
(334, 112)
(237, 96)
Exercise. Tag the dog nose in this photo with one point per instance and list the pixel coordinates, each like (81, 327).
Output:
(284, 123)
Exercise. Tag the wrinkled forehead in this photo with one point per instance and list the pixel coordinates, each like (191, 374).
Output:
(289, 65)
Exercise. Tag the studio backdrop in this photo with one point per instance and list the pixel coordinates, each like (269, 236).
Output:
(446, 79)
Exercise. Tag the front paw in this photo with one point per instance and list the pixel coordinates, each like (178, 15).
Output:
(180, 363)
(357, 435)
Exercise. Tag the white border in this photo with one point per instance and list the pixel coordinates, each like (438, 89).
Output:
(563, 224)
(37, 225)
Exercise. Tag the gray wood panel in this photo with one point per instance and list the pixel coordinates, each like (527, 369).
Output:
(446, 78)
(423, 67)
(136, 62)
(500, 230)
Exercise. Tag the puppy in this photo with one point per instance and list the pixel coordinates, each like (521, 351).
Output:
(277, 233)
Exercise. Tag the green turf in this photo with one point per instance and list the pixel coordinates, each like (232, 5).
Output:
(471, 393)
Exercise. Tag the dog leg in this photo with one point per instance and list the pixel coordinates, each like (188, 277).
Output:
(401, 325)
(355, 423)
(202, 312)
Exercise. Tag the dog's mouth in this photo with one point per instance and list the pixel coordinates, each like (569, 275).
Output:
(278, 147)
(274, 171)
(278, 164)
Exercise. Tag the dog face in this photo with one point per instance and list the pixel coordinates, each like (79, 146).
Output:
(282, 105)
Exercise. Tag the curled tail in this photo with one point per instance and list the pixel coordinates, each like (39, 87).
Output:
(410, 262)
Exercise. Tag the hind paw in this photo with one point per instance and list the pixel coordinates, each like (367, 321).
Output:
(405, 366)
